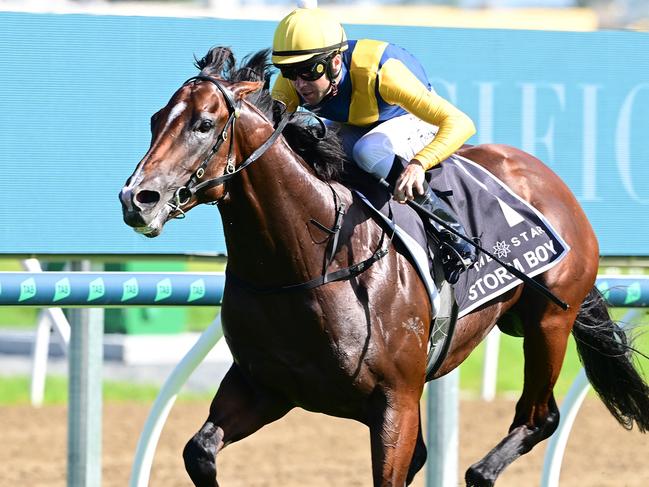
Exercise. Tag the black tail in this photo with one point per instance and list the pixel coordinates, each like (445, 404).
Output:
(607, 357)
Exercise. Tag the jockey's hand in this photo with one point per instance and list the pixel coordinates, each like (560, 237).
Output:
(410, 181)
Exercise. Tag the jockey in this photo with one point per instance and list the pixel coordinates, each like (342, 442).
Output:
(379, 96)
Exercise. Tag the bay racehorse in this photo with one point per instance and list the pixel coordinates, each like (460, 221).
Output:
(354, 347)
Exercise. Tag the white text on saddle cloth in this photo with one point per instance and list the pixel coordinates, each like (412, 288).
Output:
(488, 276)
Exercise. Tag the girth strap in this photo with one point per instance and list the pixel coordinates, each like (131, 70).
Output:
(339, 275)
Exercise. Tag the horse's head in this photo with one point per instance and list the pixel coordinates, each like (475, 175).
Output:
(193, 143)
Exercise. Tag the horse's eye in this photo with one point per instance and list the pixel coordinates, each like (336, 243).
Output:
(205, 126)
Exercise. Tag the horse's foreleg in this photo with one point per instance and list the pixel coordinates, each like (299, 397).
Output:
(418, 457)
(393, 435)
(238, 410)
(537, 415)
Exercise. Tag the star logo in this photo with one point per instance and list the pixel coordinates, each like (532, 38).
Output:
(501, 249)
(416, 326)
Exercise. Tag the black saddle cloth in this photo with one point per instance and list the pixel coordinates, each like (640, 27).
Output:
(506, 225)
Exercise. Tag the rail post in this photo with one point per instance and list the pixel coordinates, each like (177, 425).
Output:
(442, 431)
(84, 394)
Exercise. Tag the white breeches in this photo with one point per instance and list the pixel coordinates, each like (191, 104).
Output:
(374, 150)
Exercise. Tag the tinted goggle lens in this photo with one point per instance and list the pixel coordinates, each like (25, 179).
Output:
(308, 73)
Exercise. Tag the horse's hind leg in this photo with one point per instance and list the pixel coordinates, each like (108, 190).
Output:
(393, 434)
(537, 415)
(238, 410)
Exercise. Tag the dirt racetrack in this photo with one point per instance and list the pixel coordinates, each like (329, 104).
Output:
(305, 449)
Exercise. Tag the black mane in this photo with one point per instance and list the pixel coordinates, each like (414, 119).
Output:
(320, 148)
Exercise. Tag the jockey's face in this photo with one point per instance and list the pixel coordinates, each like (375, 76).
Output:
(312, 92)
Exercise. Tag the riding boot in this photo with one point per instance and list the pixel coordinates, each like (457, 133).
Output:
(459, 254)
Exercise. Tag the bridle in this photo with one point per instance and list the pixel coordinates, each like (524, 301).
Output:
(184, 194)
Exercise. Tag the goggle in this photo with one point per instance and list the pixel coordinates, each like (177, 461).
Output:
(309, 72)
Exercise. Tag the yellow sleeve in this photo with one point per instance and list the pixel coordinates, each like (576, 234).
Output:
(283, 91)
(399, 86)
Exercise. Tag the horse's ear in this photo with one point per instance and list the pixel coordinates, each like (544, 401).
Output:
(244, 88)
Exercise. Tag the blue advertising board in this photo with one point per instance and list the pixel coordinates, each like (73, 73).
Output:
(77, 92)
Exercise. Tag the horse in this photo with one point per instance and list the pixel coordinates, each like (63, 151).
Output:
(353, 345)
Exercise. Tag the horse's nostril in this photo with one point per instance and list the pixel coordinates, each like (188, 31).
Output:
(147, 197)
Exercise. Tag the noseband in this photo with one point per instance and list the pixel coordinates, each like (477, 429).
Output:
(184, 194)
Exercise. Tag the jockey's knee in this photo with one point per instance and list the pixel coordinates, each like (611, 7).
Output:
(373, 156)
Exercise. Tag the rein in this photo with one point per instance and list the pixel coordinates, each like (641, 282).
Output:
(183, 195)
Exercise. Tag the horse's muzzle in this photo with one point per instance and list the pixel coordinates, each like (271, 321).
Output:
(133, 219)
(136, 211)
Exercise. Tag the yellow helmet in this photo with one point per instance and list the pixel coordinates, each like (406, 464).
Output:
(306, 33)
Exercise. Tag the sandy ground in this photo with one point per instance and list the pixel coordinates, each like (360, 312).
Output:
(305, 449)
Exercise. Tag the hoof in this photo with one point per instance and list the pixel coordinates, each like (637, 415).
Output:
(474, 478)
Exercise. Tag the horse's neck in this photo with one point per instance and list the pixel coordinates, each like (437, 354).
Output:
(266, 217)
